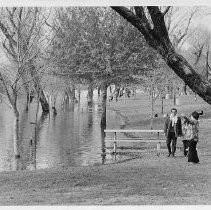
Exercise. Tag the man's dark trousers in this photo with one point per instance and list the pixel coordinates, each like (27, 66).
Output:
(171, 138)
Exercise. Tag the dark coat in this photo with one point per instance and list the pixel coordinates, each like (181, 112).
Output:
(177, 127)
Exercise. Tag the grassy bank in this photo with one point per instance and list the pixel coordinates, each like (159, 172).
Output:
(137, 109)
(146, 180)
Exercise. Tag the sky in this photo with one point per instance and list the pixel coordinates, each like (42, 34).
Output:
(47, 3)
(200, 20)
(102, 2)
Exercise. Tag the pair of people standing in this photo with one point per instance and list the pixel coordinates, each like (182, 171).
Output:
(191, 136)
(173, 128)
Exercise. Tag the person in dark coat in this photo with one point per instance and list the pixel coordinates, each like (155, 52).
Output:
(193, 136)
(172, 130)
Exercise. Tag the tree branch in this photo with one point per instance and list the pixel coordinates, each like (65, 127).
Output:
(4, 96)
(7, 35)
(11, 18)
(166, 10)
(32, 27)
(141, 14)
(157, 18)
(142, 26)
(161, 43)
(6, 89)
(186, 30)
(8, 51)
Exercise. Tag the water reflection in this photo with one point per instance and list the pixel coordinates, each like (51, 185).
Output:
(72, 137)
(36, 129)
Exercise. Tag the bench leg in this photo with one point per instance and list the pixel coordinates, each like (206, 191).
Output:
(158, 148)
(115, 147)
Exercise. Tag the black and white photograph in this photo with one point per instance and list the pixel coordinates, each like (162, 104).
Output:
(105, 104)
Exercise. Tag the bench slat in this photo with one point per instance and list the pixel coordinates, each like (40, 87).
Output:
(150, 140)
(128, 139)
(132, 131)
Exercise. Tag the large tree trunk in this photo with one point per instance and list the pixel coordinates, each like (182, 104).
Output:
(104, 98)
(103, 148)
(16, 138)
(157, 37)
(26, 87)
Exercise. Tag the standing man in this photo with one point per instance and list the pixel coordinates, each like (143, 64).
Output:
(172, 130)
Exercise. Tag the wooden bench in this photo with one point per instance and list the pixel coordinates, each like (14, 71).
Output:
(157, 140)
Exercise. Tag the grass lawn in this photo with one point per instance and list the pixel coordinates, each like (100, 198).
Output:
(146, 180)
(137, 109)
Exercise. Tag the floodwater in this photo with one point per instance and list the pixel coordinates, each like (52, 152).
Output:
(73, 137)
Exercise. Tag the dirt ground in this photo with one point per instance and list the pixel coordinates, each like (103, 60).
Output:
(146, 180)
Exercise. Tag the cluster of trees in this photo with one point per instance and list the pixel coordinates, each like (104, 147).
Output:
(63, 49)
(96, 47)
(21, 30)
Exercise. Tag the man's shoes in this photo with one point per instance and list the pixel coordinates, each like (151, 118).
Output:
(173, 155)
(169, 155)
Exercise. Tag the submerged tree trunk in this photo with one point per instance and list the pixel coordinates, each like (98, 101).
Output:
(162, 104)
(79, 95)
(104, 99)
(35, 135)
(29, 92)
(16, 133)
(26, 87)
(98, 92)
(71, 92)
(39, 90)
(157, 37)
(90, 95)
(16, 138)
(103, 145)
(44, 102)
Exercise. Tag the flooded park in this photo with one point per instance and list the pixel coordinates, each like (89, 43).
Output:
(71, 138)
(91, 99)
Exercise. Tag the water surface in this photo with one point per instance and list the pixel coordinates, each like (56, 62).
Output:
(73, 137)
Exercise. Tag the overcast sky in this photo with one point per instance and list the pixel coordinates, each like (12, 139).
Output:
(103, 2)
(204, 19)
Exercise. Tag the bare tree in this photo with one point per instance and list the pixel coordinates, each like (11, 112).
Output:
(11, 90)
(22, 30)
(178, 22)
(23, 68)
(154, 30)
(200, 48)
